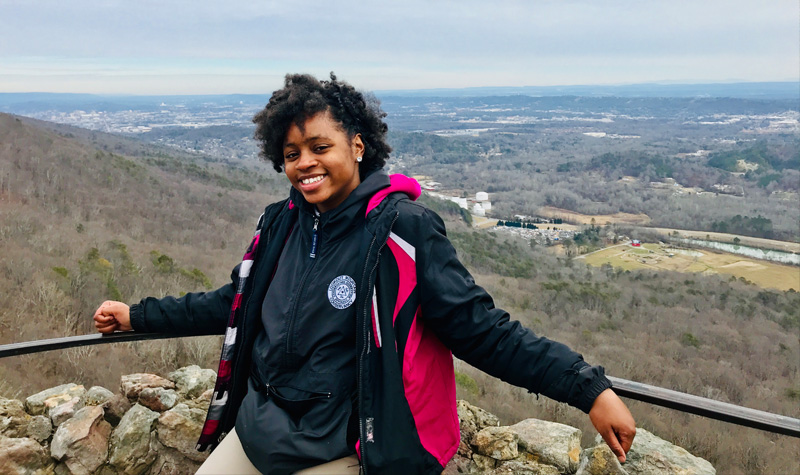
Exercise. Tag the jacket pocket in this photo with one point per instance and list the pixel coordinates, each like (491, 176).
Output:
(295, 401)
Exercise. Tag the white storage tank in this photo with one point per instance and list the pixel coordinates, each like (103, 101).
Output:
(477, 210)
(481, 196)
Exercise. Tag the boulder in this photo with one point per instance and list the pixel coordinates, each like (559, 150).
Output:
(484, 464)
(202, 401)
(64, 409)
(649, 455)
(172, 462)
(97, 395)
(600, 460)
(133, 442)
(133, 384)
(550, 443)
(499, 443)
(192, 381)
(82, 441)
(158, 399)
(41, 402)
(22, 455)
(516, 467)
(180, 428)
(40, 428)
(115, 408)
(13, 418)
(471, 420)
(459, 464)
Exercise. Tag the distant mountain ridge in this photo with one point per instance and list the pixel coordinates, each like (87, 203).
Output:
(19, 102)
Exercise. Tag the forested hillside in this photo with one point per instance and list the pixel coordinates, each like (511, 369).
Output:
(84, 218)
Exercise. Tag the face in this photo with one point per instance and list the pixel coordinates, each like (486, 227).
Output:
(320, 161)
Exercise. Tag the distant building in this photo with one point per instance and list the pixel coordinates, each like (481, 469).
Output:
(636, 243)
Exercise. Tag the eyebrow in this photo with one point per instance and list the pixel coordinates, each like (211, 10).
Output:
(307, 140)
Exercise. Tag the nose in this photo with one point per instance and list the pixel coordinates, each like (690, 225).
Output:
(306, 160)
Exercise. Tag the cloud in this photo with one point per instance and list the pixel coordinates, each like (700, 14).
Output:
(415, 39)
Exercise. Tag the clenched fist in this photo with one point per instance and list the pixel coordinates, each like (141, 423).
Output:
(112, 316)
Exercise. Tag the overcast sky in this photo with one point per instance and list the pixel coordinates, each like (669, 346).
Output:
(246, 46)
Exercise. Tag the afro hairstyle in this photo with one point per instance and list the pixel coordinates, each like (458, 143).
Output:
(304, 96)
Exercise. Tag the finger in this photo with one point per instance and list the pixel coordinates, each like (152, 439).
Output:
(104, 321)
(626, 439)
(611, 439)
(106, 328)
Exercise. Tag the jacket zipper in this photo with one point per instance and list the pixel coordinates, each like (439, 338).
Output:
(293, 317)
(365, 350)
(313, 253)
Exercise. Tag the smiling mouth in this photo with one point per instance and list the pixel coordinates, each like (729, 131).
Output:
(312, 180)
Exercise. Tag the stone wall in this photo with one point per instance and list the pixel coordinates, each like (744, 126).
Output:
(151, 425)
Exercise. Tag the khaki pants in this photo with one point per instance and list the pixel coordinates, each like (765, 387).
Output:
(229, 459)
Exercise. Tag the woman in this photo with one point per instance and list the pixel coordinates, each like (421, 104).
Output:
(340, 320)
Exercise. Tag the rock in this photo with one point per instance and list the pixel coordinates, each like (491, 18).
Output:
(202, 401)
(484, 463)
(82, 442)
(40, 428)
(13, 418)
(64, 410)
(459, 464)
(653, 455)
(22, 455)
(192, 381)
(499, 443)
(41, 402)
(97, 395)
(471, 420)
(133, 442)
(158, 399)
(115, 408)
(133, 384)
(172, 462)
(180, 428)
(516, 467)
(551, 443)
(600, 460)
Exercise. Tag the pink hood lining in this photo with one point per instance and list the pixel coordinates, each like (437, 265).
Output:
(398, 183)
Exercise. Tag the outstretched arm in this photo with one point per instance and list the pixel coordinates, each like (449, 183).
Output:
(614, 422)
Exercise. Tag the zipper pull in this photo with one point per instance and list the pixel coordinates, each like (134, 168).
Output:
(313, 253)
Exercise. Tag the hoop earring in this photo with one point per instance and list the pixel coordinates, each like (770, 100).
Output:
(358, 159)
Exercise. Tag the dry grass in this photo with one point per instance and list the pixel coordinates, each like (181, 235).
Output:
(599, 219)
(660, 257)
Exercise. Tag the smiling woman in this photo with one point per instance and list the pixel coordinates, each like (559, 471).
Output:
(343, 354)
(321, 161)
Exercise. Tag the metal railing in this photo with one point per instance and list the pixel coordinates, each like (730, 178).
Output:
(655, 395)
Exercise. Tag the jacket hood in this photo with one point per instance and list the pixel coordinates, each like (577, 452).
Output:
(398, 183)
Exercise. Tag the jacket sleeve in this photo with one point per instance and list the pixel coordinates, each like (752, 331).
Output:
(199, 313)
(463, 316)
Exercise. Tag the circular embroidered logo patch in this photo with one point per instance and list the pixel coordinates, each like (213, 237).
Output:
(342, 292)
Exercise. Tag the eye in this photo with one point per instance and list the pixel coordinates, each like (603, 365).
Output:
(290, 156)
(321, 148)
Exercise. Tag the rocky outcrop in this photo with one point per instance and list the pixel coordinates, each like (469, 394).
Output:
(536, 447)
(151, 427)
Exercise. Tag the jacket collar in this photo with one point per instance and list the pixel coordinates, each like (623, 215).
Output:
(350, 213)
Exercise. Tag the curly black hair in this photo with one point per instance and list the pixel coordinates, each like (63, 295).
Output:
(304, 96)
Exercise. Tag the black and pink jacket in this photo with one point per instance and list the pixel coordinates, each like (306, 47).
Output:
(415, 304)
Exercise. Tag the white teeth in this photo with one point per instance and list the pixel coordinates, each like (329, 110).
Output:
(309, 181)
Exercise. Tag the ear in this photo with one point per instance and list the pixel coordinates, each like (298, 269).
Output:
(357, 145)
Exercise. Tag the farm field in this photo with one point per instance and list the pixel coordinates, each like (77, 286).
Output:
(663, 257)
(599, 219)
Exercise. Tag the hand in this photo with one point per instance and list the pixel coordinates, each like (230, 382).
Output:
(112, 316)
(614, 422)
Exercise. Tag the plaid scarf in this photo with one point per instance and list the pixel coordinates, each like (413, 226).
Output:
(222, 387)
